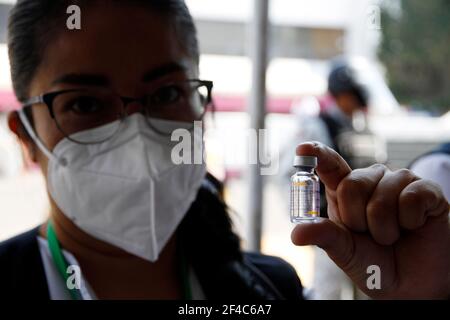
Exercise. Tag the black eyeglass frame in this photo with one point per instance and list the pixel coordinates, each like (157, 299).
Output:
(48, 98)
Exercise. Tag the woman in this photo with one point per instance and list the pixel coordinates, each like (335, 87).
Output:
(100, 105)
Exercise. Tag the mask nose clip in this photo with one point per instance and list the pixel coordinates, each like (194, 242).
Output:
(63, 162)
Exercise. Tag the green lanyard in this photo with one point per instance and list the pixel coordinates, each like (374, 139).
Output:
(184, 271)
(59, 260)
(62, 265)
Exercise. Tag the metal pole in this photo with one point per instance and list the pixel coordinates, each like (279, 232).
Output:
(257, 112)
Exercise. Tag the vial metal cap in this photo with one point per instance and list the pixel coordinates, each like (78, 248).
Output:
(305, 161)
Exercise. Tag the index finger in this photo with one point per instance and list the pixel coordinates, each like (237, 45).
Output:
(331, 168)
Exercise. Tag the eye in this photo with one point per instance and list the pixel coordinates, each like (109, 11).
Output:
(85, 105)
(166, 96)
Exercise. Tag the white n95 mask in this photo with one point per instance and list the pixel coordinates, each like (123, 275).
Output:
(125, 191)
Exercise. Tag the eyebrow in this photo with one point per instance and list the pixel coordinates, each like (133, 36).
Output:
(163, 71)
(82, 79)
(86, 79)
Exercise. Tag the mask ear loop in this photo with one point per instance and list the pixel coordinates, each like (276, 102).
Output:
(23, 118)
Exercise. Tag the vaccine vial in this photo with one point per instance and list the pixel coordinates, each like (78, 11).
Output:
(305, 191)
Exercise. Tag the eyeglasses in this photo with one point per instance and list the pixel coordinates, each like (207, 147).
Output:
(78, 110)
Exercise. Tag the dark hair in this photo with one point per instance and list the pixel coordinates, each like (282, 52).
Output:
(207, 231)
(33, 22)
(343, 79)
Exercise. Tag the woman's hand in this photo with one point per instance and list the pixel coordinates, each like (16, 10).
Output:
(391, 219)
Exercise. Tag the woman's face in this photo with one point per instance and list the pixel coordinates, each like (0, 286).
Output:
(126, 49)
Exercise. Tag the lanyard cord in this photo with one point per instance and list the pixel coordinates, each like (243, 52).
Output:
(61, 264)
(59, 260)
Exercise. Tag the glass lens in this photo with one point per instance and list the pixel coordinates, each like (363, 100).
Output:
(78, 112)
(183, 102)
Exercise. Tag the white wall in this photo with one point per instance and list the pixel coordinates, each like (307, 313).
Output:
(5, 77)
(348, 15)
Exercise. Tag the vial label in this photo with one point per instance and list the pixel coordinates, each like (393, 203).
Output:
(305, 200)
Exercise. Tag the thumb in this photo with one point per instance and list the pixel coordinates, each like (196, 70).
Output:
(331, 237)
(331, 168)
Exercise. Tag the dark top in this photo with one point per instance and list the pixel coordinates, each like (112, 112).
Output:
(255, 277)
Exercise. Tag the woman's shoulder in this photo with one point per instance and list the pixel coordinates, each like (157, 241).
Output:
(19, 244)
(21, 269)
(278, 272)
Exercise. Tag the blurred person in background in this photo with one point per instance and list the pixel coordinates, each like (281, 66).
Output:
(349, 101)
(99, 106)
(435, 166)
